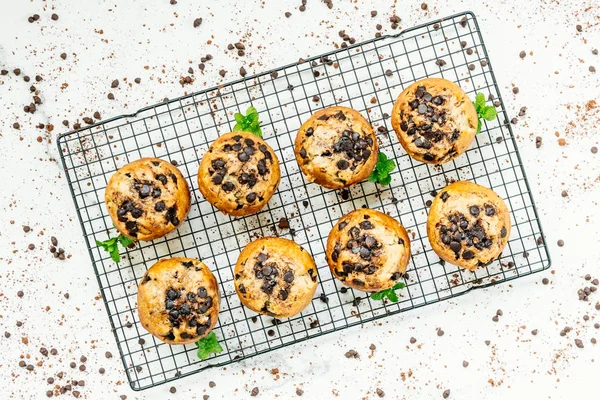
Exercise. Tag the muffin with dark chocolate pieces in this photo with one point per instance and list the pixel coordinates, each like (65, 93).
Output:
(368, 250)
(178, 300)
(148, 198)
(275, 276)
(336, 148)
(239, 173)
(468, 225)
(434, 120)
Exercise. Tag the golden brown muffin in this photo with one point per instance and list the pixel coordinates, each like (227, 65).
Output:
(178, 300)
(336, 148)
(239, 173)
(147, 198)
(368, 250)
(275, 276)
(468, 225)
(435, 120)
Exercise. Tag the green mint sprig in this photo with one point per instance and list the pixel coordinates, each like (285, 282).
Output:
(248, 122)
(488, 113)
(207, 345)
(383, 168)
(389, 293)
(111, 246)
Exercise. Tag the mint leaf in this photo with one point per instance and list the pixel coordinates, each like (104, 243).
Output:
(111, 246)
(488, 113)
(381, 172)
(479, 102)
(207, 345)
(124, 240)
(392, 296)
(378, 295)
(389, 293)
(248, 123)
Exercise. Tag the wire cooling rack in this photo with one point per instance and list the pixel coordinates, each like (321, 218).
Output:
(367, 77)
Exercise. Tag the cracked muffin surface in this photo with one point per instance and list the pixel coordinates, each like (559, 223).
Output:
(468, 225)
(336, 148)
(435, 120)
(178, 300)
(239, 173)
(368, 250)
(275, 276)
(147, 198)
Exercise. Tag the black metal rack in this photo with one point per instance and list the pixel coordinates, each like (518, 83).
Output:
(367, 77)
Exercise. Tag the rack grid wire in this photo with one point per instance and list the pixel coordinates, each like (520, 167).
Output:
(366, 76)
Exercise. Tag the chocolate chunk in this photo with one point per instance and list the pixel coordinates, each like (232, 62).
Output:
(474, 210)
(251, 197)
(136, 213)
(228, 186)
(468, 254)
(455, 246)
(422, 109)
(489, 210)
(156, 192)
(419, 92)
(144, 191)
(243, 157)
(288, 277)
(423, 143)
(343, 164)
(283, 294)
(366, 225)
(160, 206)
(217, 179)
(161, 178)
(503, 232)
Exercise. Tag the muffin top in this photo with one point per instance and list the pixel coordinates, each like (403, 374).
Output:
(147, 198)
(336, 147)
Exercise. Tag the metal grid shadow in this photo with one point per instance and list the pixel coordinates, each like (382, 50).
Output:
(367, 77)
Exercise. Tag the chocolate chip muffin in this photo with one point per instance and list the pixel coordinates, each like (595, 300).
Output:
(368, 250)
(239, 173)
(435, 120)
(147, 198)
(468, 225)
(336, 148)
(275, 276)
(178, 300)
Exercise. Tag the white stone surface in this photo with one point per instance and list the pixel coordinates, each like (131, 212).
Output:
(106, 40)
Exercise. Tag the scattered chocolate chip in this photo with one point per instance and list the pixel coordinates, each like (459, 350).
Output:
(243, 72)
(172, 389)
(254, 392)
(579, 343)
(288, 14)
(515, 90)
(465, 364)
(440, 332)
(413, 340)
(197, 22)
(114, 83)
(446, 393)
(560, 243)
(299, 392)
(545, 281)
(54, 17)
(578, 28)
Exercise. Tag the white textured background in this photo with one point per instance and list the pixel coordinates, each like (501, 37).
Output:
(156, 41)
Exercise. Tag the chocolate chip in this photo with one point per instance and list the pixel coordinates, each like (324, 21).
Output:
(288, 277)
(343, 164)
(440, 332)
(251, 197)
(243, 72)
(560, 243)
(254, 392)
(197, 22)
(446, 393)
(228, 186)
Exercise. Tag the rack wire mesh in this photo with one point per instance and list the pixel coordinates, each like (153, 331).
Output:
(367, 77)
